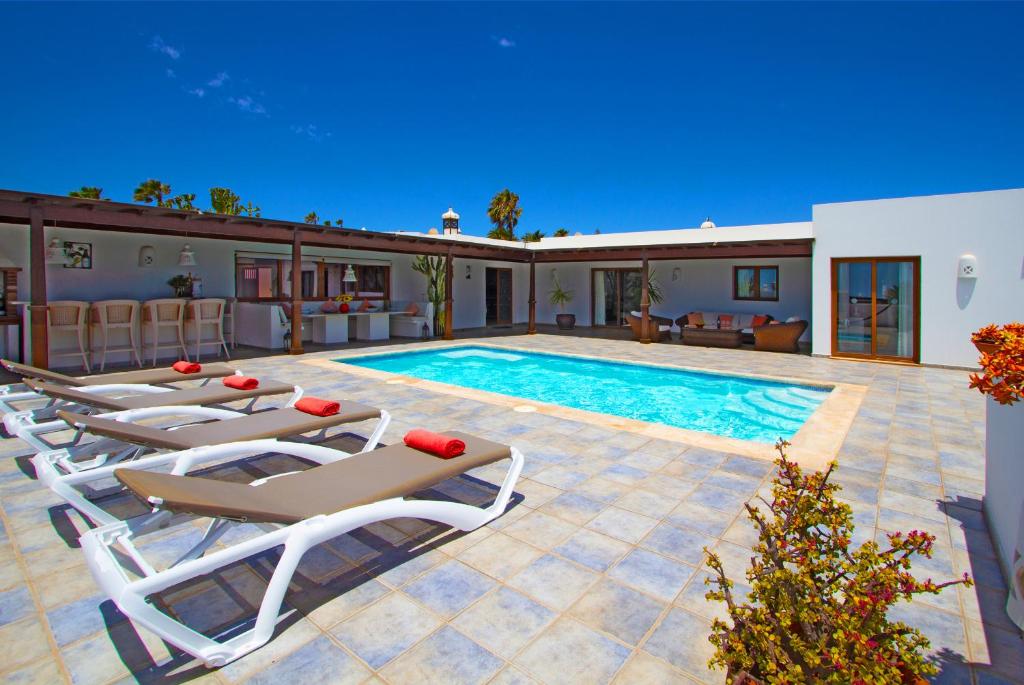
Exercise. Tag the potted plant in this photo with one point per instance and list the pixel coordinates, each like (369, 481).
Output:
(817, 608)
(181, 284)
(561, 297)
(1002, 362)
(1001, 380)
(343, 302)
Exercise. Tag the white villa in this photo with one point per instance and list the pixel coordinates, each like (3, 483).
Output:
(902, 279)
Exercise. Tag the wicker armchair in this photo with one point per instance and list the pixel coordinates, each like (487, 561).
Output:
(657, 335)
(782, 337)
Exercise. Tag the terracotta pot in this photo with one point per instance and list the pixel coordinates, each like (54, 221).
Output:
(987, 347)
(565, 321)
(343, 308)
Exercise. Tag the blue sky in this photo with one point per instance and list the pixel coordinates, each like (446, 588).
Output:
(609, 116)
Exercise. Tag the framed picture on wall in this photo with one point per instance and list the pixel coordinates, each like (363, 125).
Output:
(79, 255)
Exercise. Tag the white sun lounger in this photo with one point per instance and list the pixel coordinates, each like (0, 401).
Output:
(79, 481)
(311, 507)
(113, 398)
(15, 393)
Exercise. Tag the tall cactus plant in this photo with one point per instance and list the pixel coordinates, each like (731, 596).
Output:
(434, 269)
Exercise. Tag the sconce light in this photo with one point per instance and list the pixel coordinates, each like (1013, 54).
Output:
(554, 274)
(187, 257)
(147, 256)
(56, 253)
(675, 274)
(967, 267)
(469, 272)
(350, 274)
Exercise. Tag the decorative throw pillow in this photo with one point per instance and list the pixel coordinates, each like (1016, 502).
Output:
(413, 309)
(695, 318)
(364, 307)
(329, 307)
(725, 321)
(758, 320)
(793, 319)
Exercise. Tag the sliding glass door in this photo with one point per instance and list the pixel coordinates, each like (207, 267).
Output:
(616, 292)
(876, 308)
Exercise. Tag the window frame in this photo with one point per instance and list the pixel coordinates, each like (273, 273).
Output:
(319, 278)
(757, 282)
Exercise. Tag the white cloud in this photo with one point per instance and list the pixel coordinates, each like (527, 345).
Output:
(504, 42)
(247, 104)
(171, 74)
(158, 45)
(312, 132)
(218, 80)
(198, 92)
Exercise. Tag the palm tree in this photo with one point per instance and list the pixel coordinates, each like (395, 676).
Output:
(312, 218)
(561, 232)
(532, 237)
(88, 192)
(183, 201)
(152, 190)
(504, 213)
(224, 201)
(250, 209)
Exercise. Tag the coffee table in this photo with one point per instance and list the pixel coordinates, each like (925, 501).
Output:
(712, 337)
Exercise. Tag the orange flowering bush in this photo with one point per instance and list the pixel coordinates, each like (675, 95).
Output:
(816, 612)
(1002, 371)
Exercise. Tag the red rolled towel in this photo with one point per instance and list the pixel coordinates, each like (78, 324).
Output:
(186, 367)
(317, 406)
(241, 382)
(437, 444)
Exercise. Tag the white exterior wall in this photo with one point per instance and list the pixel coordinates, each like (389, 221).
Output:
(703, 284)
(938, 229)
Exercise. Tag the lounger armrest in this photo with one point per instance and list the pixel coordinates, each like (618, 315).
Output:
(123, 387)
(134, 415)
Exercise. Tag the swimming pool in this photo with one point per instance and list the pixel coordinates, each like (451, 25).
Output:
(729, 406)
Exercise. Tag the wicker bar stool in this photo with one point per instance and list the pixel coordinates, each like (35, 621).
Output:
(69, 317)
(206, 314)
(115, 315)
(164, 314)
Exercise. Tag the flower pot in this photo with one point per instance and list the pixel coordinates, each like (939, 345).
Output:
(565, 321)
(987, 347)
(343, 308)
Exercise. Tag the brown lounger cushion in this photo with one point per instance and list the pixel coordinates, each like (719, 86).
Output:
(141, 377)
(274, 423)
(393, 471)
(207, 394)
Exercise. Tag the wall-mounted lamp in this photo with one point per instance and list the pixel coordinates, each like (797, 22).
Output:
(469, 272)
(967, 267)
(187, 257)
(675, 273)
(147, 256)
(554, 274)
(56, 253)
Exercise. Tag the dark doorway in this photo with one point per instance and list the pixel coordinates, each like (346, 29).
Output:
(498, 296)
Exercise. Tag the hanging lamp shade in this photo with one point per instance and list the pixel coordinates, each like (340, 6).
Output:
(187, 257)
(350, 274)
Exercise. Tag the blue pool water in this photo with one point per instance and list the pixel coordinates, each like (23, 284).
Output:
(730, 406)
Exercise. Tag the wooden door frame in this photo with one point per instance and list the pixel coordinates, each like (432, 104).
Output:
(834, 295)
(593, 302)
(497, 298)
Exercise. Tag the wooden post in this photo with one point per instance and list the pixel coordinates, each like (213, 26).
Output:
(645, 303)
(296, 346)
(531, 328)
(449, 314)
(37, 310)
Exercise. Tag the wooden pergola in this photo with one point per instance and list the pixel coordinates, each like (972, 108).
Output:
(37, 210)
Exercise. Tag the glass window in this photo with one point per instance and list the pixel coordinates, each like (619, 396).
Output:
(755, 283)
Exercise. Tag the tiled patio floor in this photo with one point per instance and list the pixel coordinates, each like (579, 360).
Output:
(594, 575)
